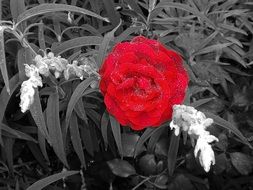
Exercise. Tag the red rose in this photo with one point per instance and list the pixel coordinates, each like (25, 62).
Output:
(141, 80)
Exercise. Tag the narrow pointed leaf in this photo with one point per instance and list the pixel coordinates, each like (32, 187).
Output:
(104, 127)
(3, 66)
(77, 42)
(111, 12)
(212, 48)
(8, 148)
(75, 138)
(5, 98)
(227, 125)
(117, 134)
(126, 33)
(181, 6)
(54, 127)
(201, 102)
(77, 94)
(80, 111)
(144, 137)
(104, 45)
(17, 134)
(39, 185)
(172, 153)
(38, 117)
(52, 7)
(42, 144)
(233, 28)
(34, 148)
(87, 139)
(17, 7)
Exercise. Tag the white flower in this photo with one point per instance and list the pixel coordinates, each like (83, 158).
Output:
(26, 97)
(190, 120)
(56, 63)
(176, 127)
(31, 70)
(73, 69)
(195, 123)
(27, 87)
(50, 62)
(205, 151)
(42, 65)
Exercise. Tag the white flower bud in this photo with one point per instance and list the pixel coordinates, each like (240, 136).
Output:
(176, 127)
(57, 74)
(194, 122)
(205, 151)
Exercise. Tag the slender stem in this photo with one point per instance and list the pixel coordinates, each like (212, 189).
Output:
(22, 40)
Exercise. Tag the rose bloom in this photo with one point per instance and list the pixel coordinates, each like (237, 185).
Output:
(141, 80)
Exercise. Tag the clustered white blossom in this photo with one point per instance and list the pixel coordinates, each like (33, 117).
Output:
(27, 87)
(195, 123)
(51, 64)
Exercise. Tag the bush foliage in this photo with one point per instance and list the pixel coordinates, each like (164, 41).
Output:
(67, 140)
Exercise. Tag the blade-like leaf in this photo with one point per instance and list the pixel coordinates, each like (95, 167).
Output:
(144, 137)
(233, 28)
(77, 42)
(104, 45)
(52, 7)
(3, 66)
(5, 98)
(207, 40)
(37, 154)
(129, 141)
(112, 13)
(77, 94)
(201, 102)
(75, 138)
(172, 153)
(134, 6)
(38, 117)
(87, 139)
(17, 133)
(50, 179)
(212, 48)
(80, 111)
(229, 126)
(17, 7)
(181, 6)
(54, 127)
(123, 36)
(155, 137)
(41, 36)
(235, 41)
(116, 133)
(8, 149)
(232, 54)
(104, 127)
(42, 144)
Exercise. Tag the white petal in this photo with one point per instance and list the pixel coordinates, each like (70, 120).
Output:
(26, 96)
(205, 151)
